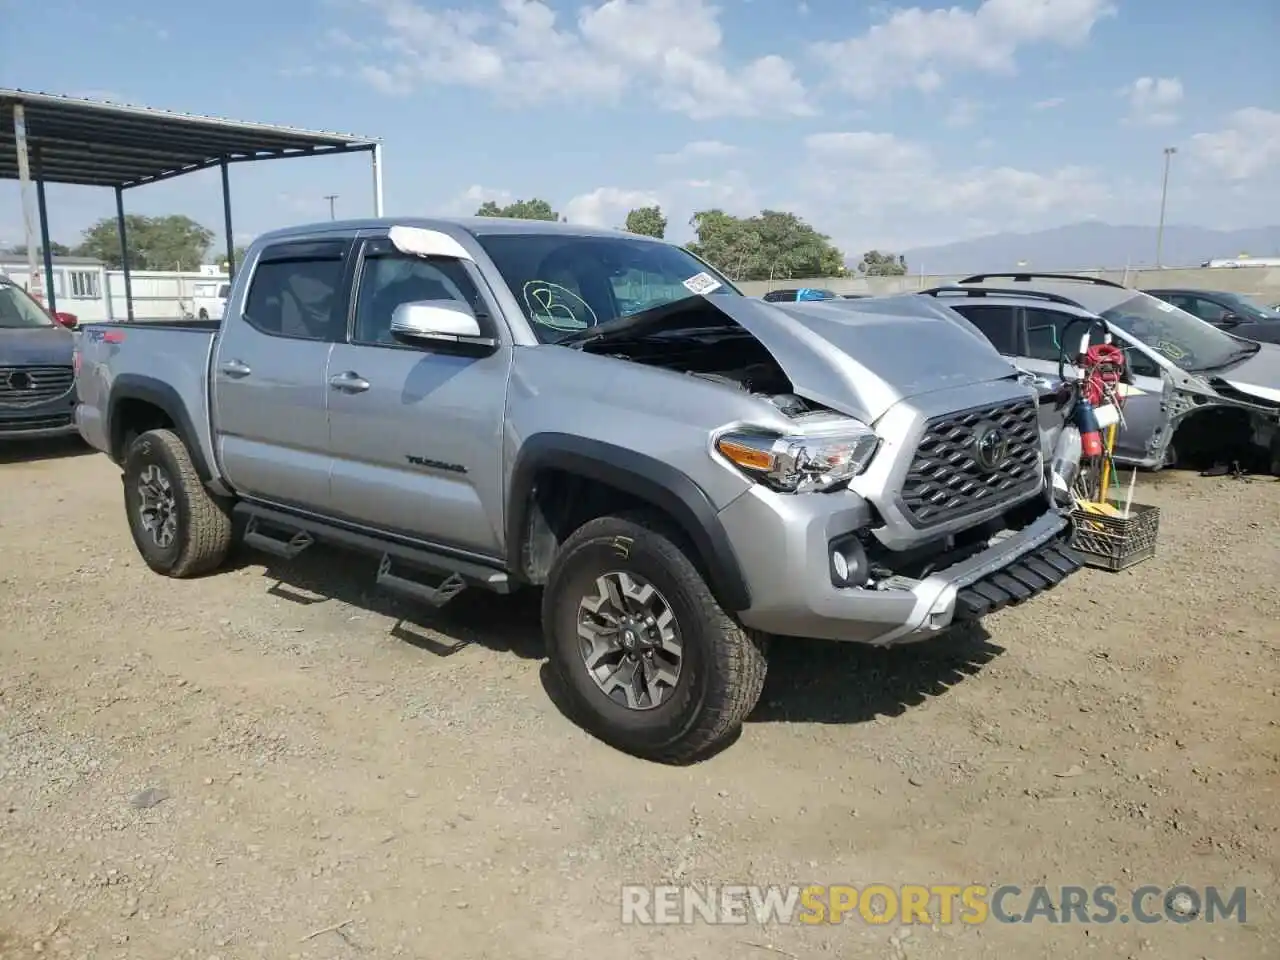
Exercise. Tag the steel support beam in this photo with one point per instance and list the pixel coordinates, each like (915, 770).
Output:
(46, 248)
(226, 220)
(34, 284)
(124, 256)
(377, 179)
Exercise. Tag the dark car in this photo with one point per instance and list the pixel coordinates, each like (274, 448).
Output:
(37, 382)
(791, 295)
(1232, 312)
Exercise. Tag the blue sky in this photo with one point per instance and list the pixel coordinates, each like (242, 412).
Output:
(885, 126)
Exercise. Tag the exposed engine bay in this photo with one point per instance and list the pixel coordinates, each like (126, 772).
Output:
(730, 357)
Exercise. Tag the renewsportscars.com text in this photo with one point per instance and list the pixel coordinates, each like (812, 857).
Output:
(935, 903)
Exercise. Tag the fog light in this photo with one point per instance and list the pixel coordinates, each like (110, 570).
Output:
(849, 566)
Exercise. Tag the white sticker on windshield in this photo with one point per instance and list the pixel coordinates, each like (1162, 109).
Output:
(702, 284)
(1166, 307)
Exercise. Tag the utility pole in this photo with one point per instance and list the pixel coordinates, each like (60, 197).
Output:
(331, 197)
(1164, 195)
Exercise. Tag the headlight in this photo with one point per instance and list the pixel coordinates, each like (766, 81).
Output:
(818, 459)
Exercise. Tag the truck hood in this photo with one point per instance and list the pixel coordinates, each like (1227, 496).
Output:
(859, 363)
(36, 346)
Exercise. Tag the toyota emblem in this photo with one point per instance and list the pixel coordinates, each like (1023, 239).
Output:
(990, 446)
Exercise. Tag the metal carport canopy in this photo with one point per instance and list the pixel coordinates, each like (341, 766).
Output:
(48, 138)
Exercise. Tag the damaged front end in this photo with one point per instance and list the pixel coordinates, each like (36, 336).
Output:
(1215, 421)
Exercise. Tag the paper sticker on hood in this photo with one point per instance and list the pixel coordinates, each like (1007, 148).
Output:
(862, 363)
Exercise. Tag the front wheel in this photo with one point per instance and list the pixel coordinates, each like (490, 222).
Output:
(649, 660)
(178, 526)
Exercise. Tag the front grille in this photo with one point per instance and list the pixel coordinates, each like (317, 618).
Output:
(47, 422)
(946, 479)
(26, 386)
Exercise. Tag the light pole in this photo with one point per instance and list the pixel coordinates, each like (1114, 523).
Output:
(1164, 194)
(331, 197)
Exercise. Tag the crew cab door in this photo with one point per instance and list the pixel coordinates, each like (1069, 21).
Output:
(416, 431)
(270, 397)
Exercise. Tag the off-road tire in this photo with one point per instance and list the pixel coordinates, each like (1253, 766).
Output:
(204, 527)
(723, 664)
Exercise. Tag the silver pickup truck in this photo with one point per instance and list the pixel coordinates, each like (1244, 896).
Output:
(685, 471)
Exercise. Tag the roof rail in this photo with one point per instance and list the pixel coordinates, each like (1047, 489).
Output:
(991, 291)
(1027, 277)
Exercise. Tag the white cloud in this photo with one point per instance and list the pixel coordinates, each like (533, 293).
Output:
(520, 51)
(1247, 147)
(918, 47)
(1153, 101)
(962, 114)
(607, 206)
(869, 188)
(1049, 103)
(699, 150)
(474, 197)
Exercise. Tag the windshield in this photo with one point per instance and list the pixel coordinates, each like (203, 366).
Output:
(1249, 308)
(567, 284)
(1188, 341)
(18, 311)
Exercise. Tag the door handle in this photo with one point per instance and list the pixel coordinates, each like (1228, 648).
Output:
(349, 382)
(235, 368)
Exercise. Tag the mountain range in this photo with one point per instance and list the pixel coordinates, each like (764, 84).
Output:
(1090, 245)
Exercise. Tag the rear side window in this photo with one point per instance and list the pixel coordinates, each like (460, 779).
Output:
(998, 324)
(297, 291)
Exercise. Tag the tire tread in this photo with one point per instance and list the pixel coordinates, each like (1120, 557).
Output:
(737, 671)
(208, 531)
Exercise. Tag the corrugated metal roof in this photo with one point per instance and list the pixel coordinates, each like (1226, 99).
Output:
(96, 143)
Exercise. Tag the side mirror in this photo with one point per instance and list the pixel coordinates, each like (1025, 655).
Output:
(68, 320)
(1230, 320)
(434, 322)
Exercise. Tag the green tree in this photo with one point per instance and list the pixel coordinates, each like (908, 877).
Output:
(58, 250)
(648, 221)
(877, 264)
(792, 248)
(770, 245)
(726, 242)
(239, 253)
(535, 209)
(173, 242)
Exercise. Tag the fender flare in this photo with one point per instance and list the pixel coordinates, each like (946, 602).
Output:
(641, 476)
(162, 396)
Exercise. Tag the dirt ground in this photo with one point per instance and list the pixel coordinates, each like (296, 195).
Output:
(278, 762)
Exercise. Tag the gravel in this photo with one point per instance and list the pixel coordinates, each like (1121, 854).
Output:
(276, 761)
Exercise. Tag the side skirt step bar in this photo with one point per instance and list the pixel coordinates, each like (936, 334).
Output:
(400, 565)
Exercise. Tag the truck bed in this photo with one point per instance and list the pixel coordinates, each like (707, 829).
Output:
(150, 358)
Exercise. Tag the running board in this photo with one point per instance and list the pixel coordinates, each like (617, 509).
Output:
(285, 534)
(436, 596)
(257, 537)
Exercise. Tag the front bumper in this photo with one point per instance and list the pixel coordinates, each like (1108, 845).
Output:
(783, 545)
(36, 424)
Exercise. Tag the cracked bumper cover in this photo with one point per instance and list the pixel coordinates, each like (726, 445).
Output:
(783, 545)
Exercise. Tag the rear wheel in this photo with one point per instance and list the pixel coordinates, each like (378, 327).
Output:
(178, 526)
(649, 660)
